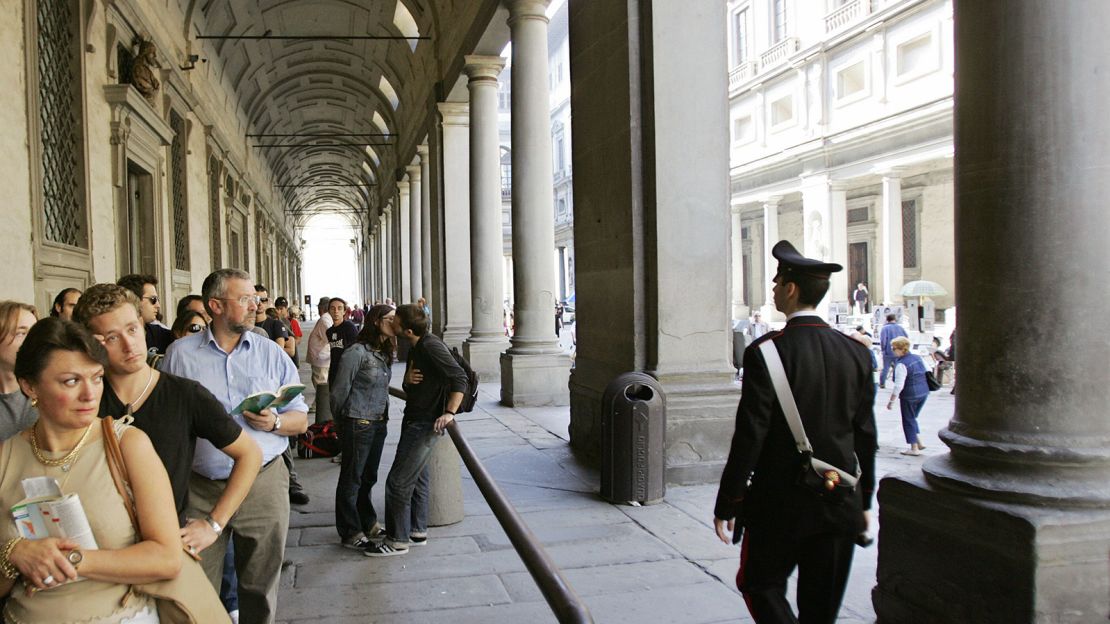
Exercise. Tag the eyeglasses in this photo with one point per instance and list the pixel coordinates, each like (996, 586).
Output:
(153, 299)
(245, 300)
(195, 327)
(263, 299)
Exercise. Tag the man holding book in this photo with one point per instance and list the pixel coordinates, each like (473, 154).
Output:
(233, 363)
(173, 411)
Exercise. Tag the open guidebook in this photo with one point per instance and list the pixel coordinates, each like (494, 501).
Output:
(46, 512)
(276, 399)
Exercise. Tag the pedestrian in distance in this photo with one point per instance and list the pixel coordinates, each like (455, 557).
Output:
(889, 332)
(910, 390)
(783, 522)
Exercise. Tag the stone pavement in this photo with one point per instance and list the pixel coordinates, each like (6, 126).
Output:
(660, 563)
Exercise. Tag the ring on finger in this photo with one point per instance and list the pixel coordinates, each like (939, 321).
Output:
(193, 549)
(49, 580)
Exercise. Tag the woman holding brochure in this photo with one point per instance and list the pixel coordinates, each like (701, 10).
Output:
(60, 368)
(360, 405)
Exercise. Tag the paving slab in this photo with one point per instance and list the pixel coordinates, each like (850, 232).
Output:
(612, 579)
(388, 598)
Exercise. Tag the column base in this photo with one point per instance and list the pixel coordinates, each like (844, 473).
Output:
(701, 417)
(455, 336)
(947, 557)
(485, 358)
(533, 380)
(445, 497)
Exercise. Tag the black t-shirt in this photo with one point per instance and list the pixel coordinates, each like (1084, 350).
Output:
(274, 329)
(339, 337)
(158, 338)
(177, 412)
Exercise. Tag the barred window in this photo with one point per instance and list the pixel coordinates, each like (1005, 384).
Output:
(909, 234)
(180, 208)
(61, 135)
(214, 212)
(858, 215)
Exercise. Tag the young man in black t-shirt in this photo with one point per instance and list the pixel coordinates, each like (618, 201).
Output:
(174, 412)
(341, 334)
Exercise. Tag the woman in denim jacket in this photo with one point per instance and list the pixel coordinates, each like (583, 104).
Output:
(360, 405)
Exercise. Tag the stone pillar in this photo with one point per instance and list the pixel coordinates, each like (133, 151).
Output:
(651, 224)
(534, 370)
(737, 264)
(456, 221)
(487, 336)
(823, 211)
(770, 266)
(890, 237)
(416, 284)
(425, 224)
(1013, 523)
(405, 225)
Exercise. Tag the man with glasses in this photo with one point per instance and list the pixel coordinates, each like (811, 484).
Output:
(173, 411)
(232, 363)
(145, 287)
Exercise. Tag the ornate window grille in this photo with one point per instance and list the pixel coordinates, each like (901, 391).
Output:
(214, 212)
(180, 207)
(59, 81)
(909, 234)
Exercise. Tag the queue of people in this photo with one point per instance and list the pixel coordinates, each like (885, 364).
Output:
(204, 481)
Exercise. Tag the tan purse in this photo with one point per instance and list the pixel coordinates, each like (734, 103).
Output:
(187, 599)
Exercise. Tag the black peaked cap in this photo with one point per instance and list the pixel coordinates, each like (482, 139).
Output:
(790, 261)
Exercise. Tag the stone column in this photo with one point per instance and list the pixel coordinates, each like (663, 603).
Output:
(770, 266)
(425, 224)
(405, 225)
(487, 336)
(651, 221)
(737, 248)
(1013, 523)
(456, 220)
(416, 283)
(823, 212)
(890, 237)
(534, 370)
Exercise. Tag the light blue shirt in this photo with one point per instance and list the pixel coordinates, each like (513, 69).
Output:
(256, 364)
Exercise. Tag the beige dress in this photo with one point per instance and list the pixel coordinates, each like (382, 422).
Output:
(87, 601)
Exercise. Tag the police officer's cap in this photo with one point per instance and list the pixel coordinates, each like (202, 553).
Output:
(790, 261)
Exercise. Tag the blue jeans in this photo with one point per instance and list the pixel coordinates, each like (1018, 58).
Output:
(406, 488)
(910, 409)
(888, 365)
(229, 594)
(361, 442)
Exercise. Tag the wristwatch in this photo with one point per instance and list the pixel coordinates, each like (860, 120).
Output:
(75, 558)
(215, 525)
(277, 423)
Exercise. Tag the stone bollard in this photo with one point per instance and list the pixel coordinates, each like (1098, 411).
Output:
(445, 500)
(323, 404)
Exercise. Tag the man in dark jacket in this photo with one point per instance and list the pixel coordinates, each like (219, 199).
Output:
(434, 384)
(787, 524)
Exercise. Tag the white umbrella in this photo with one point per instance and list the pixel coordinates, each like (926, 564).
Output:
(922, 288)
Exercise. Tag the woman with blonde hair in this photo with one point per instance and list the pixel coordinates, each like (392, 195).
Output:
(910, 390)
(16, 411)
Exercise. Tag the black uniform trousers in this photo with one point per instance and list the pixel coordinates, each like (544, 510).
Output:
(768, 558)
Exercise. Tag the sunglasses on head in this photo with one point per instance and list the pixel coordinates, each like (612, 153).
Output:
(194, 328)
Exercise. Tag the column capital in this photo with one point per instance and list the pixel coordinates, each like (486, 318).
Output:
(422, 151)
(892, 173)
(483, 68)
(414, 171)
(454, 113)
(527, 9)
(772, 201)
(403, 184)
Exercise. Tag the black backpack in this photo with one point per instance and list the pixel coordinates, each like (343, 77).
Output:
(470, 397)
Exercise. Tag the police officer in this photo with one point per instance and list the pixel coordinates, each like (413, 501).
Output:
(787, 524)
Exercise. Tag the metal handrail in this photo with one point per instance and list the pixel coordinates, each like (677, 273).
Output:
(566, 605)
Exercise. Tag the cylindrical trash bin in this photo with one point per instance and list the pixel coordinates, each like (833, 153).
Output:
(633, 428)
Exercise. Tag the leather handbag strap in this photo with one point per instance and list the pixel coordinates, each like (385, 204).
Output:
(786, 397)
(118, 468)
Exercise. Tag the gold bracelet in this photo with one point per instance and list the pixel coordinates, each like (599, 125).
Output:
(6, 568)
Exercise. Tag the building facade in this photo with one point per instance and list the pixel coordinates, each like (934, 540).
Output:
(840, 128)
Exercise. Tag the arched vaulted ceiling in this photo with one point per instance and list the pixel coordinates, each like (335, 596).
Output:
(336, 92)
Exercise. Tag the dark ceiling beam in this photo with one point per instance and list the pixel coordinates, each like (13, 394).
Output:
(311, 37)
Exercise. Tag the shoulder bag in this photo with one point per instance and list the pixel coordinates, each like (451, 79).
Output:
(821, 477)
(187, 599)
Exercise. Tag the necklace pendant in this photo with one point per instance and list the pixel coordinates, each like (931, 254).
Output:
(65, 467)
